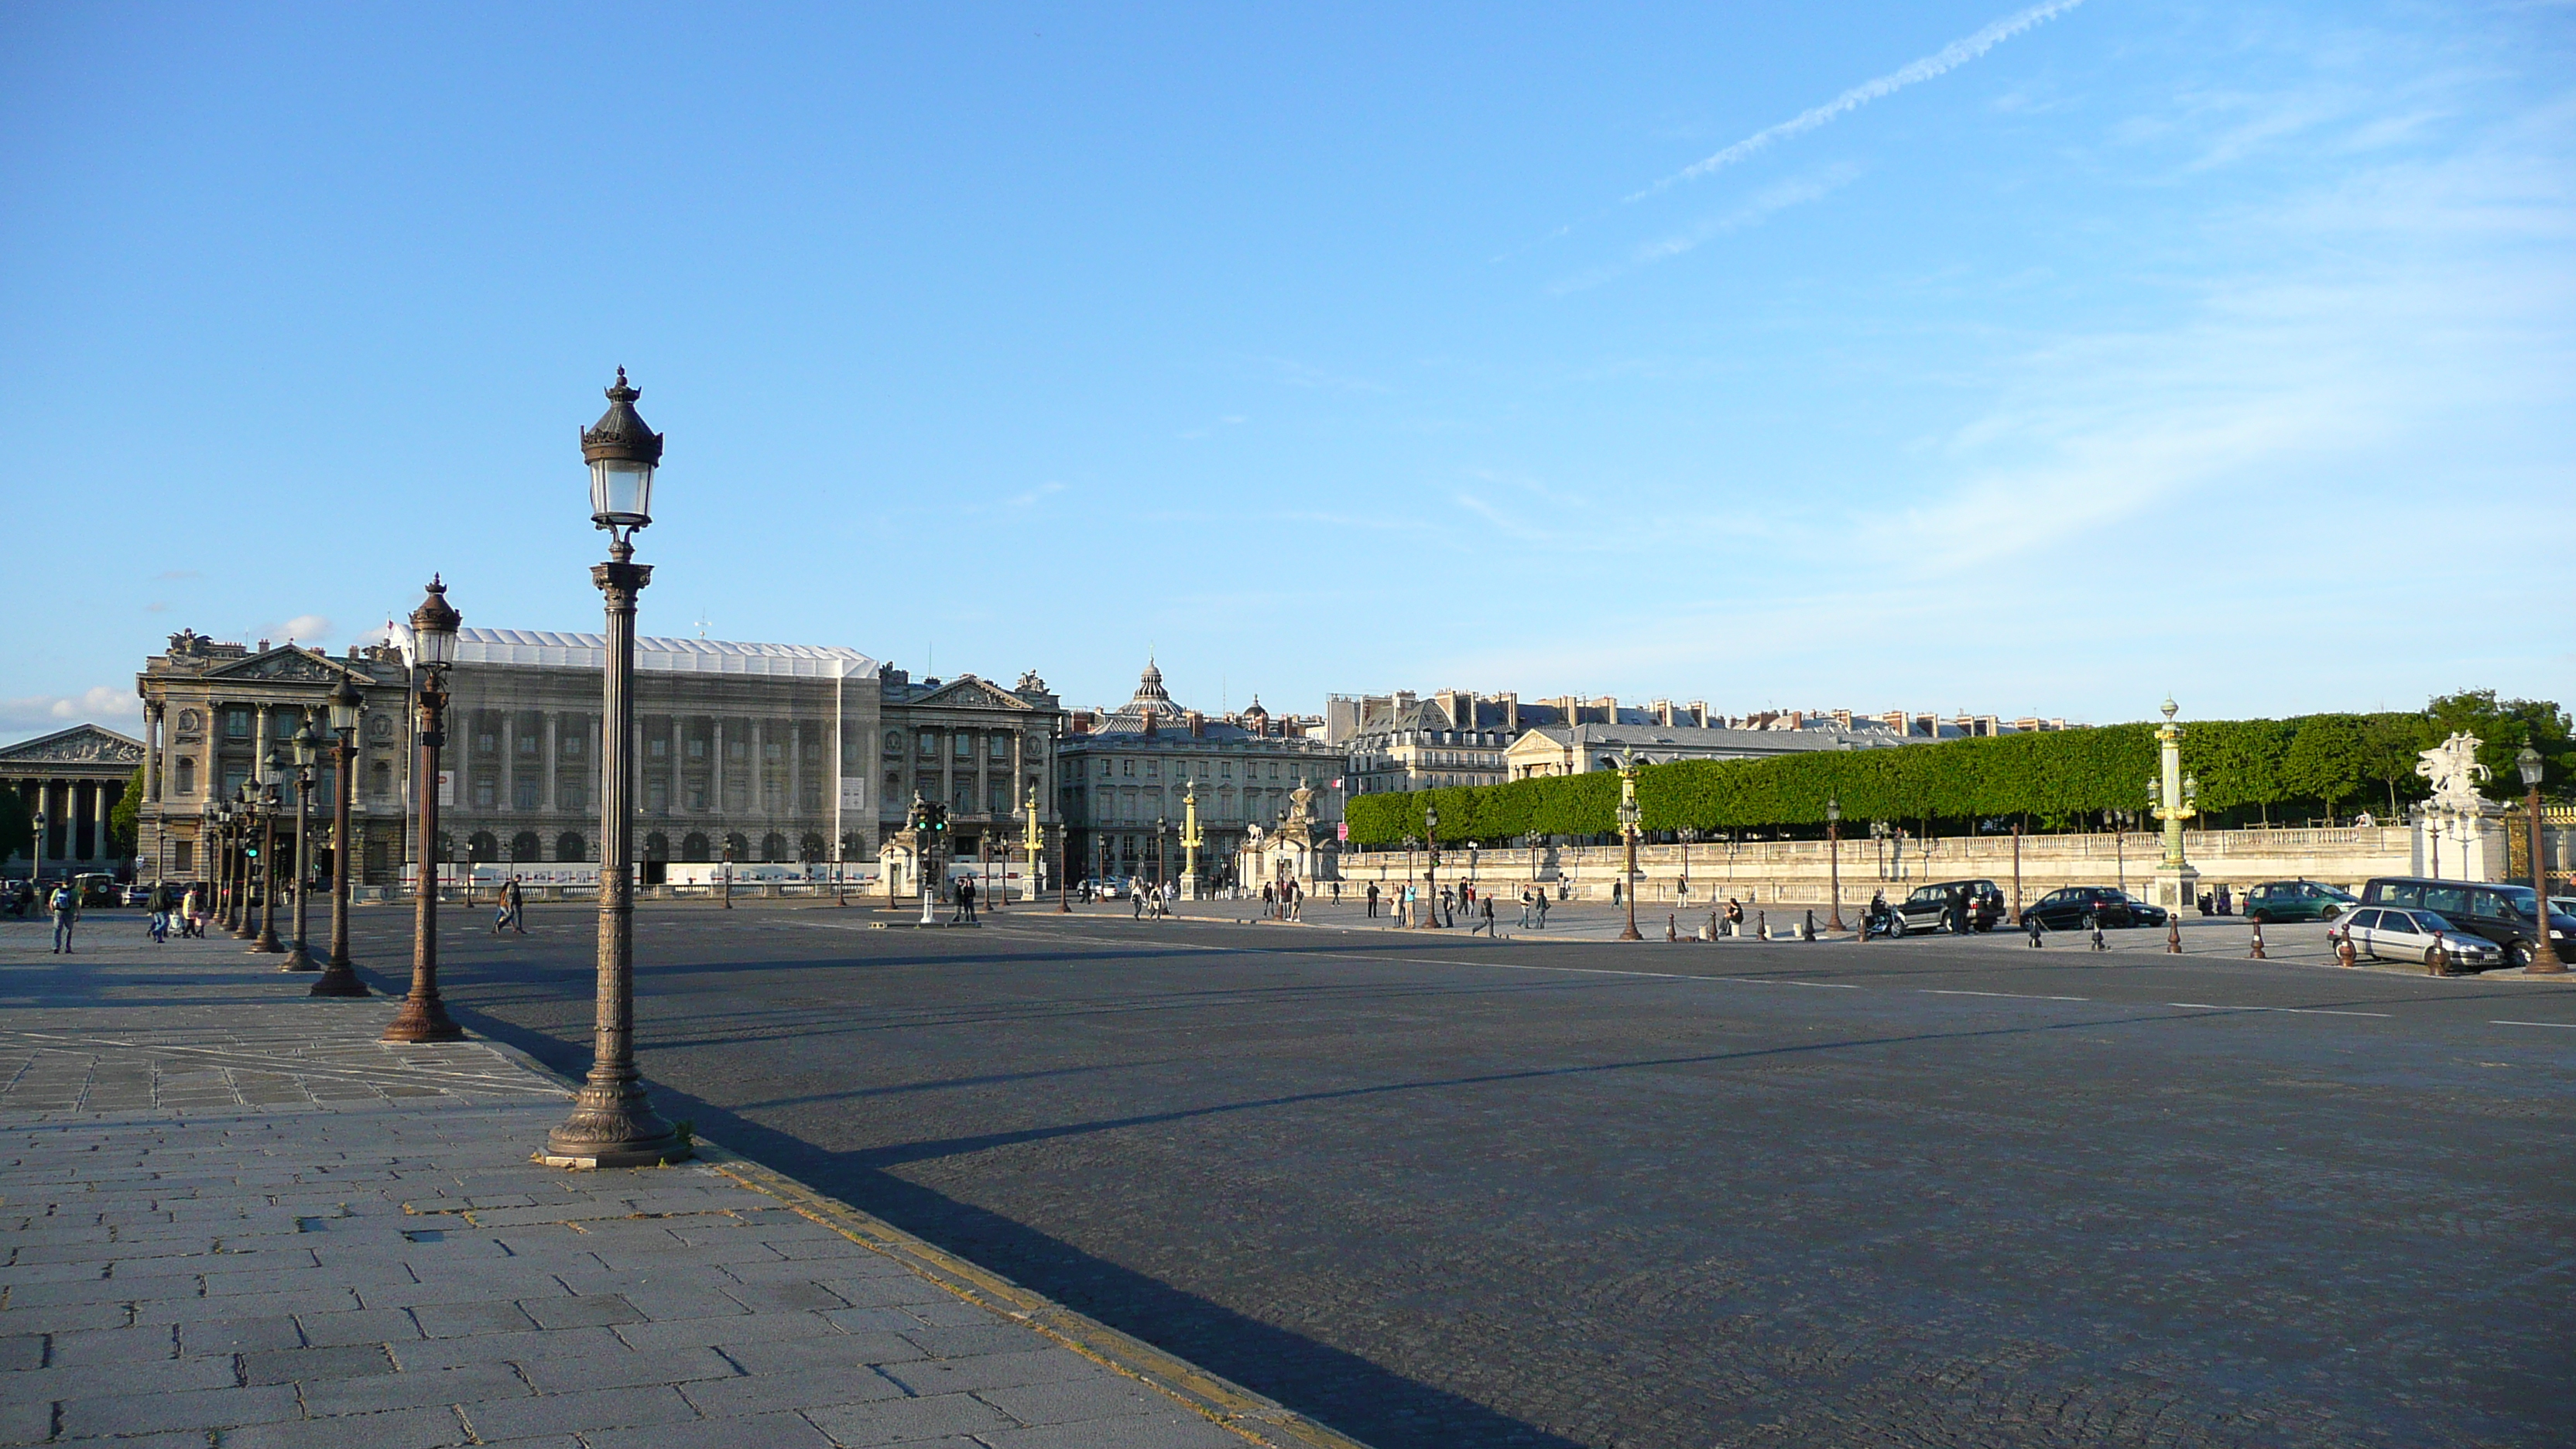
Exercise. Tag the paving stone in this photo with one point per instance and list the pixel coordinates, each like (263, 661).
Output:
(796, 1389)
(377, 1392)
(722, 1330)
(25, 1420)
(757, 1431)
(569, 1373)
(990, 1371)
(456, 1320)
(424, 1428)
(102, 1380)
(1165, 1432)
(133, 1413)
(580, 1312)
(24, 1351)
(786, 1297)
(594, 1409)
(835, 1350)
(364, 1325)
(900, 1421)
(305, 1365)
(116, 1345)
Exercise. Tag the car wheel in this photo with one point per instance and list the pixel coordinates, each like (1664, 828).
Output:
(1896, 925)
(2517, 954)
(2333, 911)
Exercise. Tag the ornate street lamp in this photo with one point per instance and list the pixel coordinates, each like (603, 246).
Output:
(1630, 815)
(237, 864)
(1834, 849)
(271, 804)
(339, 977)
(2544, 955)
(308, 744)
(613, 1124)
(433, 652)
(1430, 868)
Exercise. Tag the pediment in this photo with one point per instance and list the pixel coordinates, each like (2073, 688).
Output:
(290, 665)
(972, 693)
(84, 744)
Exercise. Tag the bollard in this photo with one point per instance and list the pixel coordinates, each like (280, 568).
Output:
(1712, 927)
(1811, 926)
(2437, 962)
(1672, 932)
(2344, 952)
(1761, 926)
(2258, 944)
(2173, 938)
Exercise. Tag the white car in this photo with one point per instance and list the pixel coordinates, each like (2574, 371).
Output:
(2384, 933)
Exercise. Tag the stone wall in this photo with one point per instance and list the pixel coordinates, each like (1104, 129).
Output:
(1802, 870)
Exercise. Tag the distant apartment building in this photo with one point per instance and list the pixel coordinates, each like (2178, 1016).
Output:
(1452, 737)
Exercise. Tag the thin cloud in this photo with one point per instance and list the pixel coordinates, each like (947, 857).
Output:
(1756, 209)
(1940, 62)
(48, 712)
(1031, 498)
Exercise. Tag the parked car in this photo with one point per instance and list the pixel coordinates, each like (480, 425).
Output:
(1933, 907)
(2507, 915)
(2387, 934)
(2141, 913)
(2067, 910)
(2297, 900)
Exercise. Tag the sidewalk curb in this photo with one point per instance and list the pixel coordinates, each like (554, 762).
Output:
(1226, 1404)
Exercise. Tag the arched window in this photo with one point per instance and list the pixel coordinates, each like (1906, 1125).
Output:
(569, 846)
(445, 847)
(696, 849)
(526, 846)
(483, 845)
(851, 849)
(773, 846)
(657, 846)
(813, 848)
(739, 844)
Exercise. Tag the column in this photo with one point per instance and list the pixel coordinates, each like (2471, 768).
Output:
(101, 847)
(259, 743)
(503, 787)
(152, 745)
(546, 796)
(679, 772)
(716, 779)
(795, 783)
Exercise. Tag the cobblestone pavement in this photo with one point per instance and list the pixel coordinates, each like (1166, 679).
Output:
(230, 1217)
(1440, 1192)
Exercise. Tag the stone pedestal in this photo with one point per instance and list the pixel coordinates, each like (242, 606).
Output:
(2177, 889)
(1189, 885)
(2461, 847)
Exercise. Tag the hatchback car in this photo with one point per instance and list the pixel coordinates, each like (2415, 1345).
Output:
(2387, 934)
(2070, 909)
(1934, 907)
(2506, 915)
(2297, 900)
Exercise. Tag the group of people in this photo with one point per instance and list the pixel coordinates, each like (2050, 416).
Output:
(166, 905)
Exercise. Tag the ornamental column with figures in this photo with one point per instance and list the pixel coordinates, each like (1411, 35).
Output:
(2175, 798)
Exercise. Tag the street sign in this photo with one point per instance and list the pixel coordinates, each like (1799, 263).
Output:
(1342, 831)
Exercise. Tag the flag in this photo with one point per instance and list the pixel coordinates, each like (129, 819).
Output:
(1337, 782)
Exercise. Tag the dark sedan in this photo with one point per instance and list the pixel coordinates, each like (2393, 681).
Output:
(2078, 906)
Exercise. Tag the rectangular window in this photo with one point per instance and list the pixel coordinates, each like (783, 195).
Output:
(1152, 768)
(184, 856)
(657, 747)
(697, 749)
(485, 793)
(657, 796)
(237, 723)
(965, 745)
(523, 795)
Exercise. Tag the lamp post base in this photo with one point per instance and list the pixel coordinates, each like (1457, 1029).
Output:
(613, 1130)
(267, 944)
(339, 979)
(298, 960)
(423, 1019)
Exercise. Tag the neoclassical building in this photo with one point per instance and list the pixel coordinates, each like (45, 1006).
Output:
(75, 779)
(1127, 769)
(769, 752)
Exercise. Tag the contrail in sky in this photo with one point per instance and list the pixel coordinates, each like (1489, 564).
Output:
(1940, 62)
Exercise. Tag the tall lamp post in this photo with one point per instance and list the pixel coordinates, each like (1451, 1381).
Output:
(613, 1124)
(1191, 838)
(237, 863)
(433, 651)
(36, 846)
(308, 744)
(1036, 845)
(2544, 955)
(270, 805)
(1630, 814)
(1430, 867)
(1834, 853)
(339, 978)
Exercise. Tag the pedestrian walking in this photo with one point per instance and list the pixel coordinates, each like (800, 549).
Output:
(1296, 901)
(1136, 897)
(159, 906)
(192, 913)
(1525, 907)
(1372, 900)
(1404, 917)
(66, 908)
(966, 901)
(1484, 917)
(1616, 886)
(512, 914)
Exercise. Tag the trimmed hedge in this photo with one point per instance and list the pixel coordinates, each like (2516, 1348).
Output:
(2056, 777)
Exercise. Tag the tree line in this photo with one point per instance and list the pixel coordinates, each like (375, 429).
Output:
(2249, 771)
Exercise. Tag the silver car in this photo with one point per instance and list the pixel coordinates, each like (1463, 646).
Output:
(2386, 934)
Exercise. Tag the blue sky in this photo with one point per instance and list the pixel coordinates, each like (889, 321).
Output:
(1932, 356)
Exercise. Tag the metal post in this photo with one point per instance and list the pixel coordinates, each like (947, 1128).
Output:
(300, 958)
(424, 1015)
(268, 944)
(613, 1123)
(2016, 910)
(339, 977)
(1834, 847)
(2544, 954)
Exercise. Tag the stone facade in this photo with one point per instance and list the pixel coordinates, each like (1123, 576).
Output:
(213, 711)
(1126, 769)
(74, 778)
(968, 742)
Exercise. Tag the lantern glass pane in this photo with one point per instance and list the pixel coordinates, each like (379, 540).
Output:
(621, 492)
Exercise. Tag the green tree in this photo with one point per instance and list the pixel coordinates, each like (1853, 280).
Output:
(2390, 744)
(125, 818)
(2325, 759)
(2503, 727)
